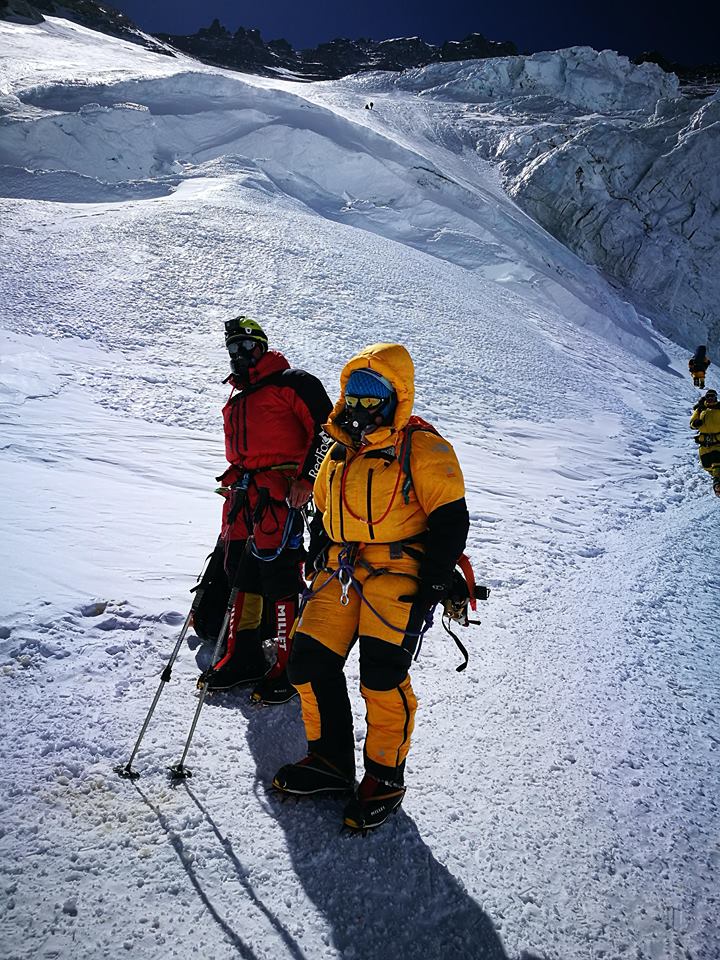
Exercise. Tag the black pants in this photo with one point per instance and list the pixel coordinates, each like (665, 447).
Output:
(272, 579)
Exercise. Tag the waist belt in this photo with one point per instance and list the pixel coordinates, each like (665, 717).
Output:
(239, 491)
(396, 547)
(708, 439)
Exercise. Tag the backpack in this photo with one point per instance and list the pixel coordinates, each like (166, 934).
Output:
(413, 425)
(211, 596)
(212, 592)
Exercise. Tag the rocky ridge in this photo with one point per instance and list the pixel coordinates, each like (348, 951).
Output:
(247, 51)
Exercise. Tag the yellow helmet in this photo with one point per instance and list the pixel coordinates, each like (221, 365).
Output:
(244, 328)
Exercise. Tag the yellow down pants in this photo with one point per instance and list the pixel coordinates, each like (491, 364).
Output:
(386, 629)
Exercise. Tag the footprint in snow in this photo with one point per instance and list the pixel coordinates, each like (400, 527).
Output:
(173, 617)
(591, 552)
(117, 623)
(94, 609)
(30, 648)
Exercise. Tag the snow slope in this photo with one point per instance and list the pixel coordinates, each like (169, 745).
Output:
(562, 799)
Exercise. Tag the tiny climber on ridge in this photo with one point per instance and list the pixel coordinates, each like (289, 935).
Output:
(390, 524)
(697, 365)
(274, 444)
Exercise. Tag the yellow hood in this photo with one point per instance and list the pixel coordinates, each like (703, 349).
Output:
(393, 362)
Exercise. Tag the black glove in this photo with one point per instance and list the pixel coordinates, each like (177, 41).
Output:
(317, 554)
(428, 593)
(317, 551)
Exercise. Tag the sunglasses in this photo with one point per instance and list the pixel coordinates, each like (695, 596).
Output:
(241, 346)
(367, 403)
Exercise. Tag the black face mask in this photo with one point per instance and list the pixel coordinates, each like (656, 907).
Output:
(241, 357)
(356, 422)
(240, 365)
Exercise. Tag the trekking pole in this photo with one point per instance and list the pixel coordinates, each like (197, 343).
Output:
(178, 770)
(125, 770)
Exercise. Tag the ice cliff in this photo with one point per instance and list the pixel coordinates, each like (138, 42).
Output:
(611, 158)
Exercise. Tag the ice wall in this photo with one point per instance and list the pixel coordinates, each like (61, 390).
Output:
(613, 160)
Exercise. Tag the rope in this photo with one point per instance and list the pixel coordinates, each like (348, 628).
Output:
(289, 520)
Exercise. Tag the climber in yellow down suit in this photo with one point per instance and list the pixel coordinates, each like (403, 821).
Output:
(706, 420)
(391, 523)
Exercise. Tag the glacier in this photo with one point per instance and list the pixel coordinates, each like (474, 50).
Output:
(561, 799)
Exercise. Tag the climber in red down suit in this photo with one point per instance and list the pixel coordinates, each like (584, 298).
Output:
(275, 444)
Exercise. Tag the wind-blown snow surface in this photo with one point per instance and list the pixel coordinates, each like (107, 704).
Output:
(562, 799)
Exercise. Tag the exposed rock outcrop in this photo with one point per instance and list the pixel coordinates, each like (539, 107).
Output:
(246, 50)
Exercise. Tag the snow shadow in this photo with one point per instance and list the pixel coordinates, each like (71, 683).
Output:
(180, 94)
(19, 183)
(384, 895)
(242, 948)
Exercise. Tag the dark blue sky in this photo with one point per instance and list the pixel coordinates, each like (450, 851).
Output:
(683, 34)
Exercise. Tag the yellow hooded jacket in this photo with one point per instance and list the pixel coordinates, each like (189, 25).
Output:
(707, 422)
(359, 490)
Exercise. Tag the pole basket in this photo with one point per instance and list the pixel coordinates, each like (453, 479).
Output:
(125, 771)
(179, 771)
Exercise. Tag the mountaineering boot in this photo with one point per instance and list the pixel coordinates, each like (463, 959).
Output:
(716, 487)
(273, 690)
(245, 664)
(312, 775)
(373, 803)
(236, 672)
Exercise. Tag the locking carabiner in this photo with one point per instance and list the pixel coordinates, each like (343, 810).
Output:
(345, 579)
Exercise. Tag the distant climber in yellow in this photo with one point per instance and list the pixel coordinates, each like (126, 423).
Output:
(706, 420)
(391, 523)
(697, 365)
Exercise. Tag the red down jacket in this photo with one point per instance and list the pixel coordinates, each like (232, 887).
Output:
(273, 421)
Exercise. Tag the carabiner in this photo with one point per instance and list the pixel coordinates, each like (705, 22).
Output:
(345, 580)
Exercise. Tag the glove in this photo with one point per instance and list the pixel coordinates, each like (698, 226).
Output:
(427, 595)
(317, 551)
(300, 492)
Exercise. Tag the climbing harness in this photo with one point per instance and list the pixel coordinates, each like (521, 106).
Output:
(345, 575)
(238, 493)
